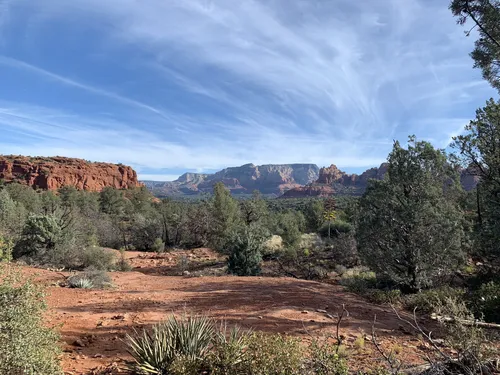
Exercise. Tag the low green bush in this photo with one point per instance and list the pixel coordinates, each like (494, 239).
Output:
(427, 301)
(122, 264)
(6, 247)
(324, 360)
(28, 347)
(485, 302)
(158, 246)
(229, 352)
(366, 285)
(273, 355)
(98, 258)
(337, 228)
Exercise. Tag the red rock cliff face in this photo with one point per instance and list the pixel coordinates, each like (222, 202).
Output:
(333, 181)
(55, 172)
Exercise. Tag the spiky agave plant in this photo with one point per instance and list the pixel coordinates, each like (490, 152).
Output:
(81, 283)
(155, 351)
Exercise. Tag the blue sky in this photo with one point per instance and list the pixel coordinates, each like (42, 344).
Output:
(169, 86)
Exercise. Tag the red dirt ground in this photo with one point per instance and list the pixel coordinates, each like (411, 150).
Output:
(93, 323)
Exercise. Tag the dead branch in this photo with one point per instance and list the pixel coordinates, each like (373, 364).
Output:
(339, 320)
(393, 362)
(416, 327)
(465, 322)
(283, 269)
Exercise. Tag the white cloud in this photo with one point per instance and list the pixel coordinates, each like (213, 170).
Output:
(99, 140)
(298, 81)
(157, 177)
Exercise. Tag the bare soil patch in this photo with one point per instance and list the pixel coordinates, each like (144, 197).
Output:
(93, 323)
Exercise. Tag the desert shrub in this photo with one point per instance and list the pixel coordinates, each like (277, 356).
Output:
(365, 283)
(245, 254)
(28, 347)
(310, 241)
(428, 301)
(273, 245)
(229, 351)
(273, 355)
(288, 225)
(343, 250)
(108, 232)
(122, 264)
(158, 246)
(468, 342)
(90, 278)
(358, 282)
(324, 360)
(98, 258)
(337, 228)
(485, 302)
(172, 345)
(384, 296)
(183, 263)
(6, 247)
(193, 346)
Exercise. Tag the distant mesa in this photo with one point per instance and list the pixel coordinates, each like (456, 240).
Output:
(270, 179)
(52, 173)
(279, 180)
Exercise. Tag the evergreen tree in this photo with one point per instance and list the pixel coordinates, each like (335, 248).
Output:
(225, 216)
(479, 149)
(485, 16)
(41, 233)
(245, 252)
(410, 223)
(255, 209)
(314, 214)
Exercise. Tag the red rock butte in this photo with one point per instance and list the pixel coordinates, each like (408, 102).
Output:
(52, 173)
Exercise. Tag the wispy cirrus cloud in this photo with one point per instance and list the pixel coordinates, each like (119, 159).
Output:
(214, 83)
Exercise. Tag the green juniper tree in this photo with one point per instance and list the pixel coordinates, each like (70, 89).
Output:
(245, 251)
(410, 223)
(485, 17)
(225, 216)
(479, 150)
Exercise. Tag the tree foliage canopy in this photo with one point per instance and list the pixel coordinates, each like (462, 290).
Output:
(409, 226)
(485, 15)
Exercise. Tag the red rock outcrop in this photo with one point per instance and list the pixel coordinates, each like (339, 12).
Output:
(333, 181)
(329, 175)
(53, 173)
(309, 191)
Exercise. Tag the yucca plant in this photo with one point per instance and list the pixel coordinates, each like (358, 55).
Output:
(81, 283)
(154, 352)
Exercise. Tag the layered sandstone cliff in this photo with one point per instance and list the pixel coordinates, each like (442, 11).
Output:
(268, 179)
(333, 181)
(55, 172)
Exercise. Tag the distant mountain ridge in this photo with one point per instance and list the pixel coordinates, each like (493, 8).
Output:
(269, 179)
(332, 181)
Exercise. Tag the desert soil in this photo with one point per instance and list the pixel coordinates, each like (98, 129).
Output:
(94, 323)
